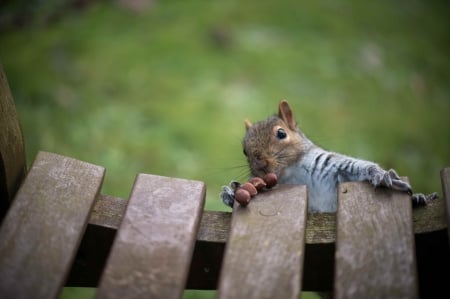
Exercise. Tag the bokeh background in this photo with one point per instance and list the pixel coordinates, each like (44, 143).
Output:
(163, 87)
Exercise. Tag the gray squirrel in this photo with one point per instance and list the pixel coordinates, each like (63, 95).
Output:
(277, 145)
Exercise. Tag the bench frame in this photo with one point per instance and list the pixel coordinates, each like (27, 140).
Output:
(242, 254)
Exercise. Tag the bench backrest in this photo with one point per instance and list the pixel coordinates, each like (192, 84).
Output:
(60, 230)
(12, 151)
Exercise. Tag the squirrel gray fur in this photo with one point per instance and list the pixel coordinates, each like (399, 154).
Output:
(277, 145)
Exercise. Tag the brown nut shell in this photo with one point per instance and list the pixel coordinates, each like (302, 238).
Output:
(258, 183)
(242, 196)
(250, 188)
(270, 179)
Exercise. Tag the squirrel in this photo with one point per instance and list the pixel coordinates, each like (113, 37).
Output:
(277, 145)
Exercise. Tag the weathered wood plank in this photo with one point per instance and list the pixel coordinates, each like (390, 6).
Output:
(12, 152)
(429, 226)
(108, 211)
(151, 255)
(214, 226)
(265, 249)
(445, 179)
(43, 228)
(320, 227)
(374, 244)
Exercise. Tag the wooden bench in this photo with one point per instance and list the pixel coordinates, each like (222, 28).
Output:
(59, 230)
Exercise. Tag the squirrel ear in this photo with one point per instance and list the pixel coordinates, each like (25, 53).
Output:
(247, 123)
(285, 113)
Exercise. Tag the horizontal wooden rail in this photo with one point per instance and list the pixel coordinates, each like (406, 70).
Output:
(214, 227)
(429, 226)
(207, 246)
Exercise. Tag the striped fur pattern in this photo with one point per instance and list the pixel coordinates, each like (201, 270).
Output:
(322, 171)
(278, 145)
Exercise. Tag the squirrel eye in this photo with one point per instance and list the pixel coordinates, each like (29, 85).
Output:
(281, 134)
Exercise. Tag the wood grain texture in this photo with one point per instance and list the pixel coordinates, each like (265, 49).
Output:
(445, 179)
(430, 218)
(108, 211)
(151, 254)
(12, 152)
(214, 226)
(375, 255)
(429, 225)
(265, 249)
(43, 228)
(320, 227)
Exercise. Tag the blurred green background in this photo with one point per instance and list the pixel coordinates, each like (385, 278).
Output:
(162, 87)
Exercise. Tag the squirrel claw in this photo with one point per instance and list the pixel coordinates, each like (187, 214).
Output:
(420, 199)
(390, 179)
(398, 183)
(401, 185)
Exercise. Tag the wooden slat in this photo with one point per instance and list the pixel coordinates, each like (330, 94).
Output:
(320, 227)
(12, 152)
(214, 226)
(42, 230)
(108, 211)
(374, 244)
(264, 253)
(151, 255)
(445, 179)
(429, 227)
(97, 241)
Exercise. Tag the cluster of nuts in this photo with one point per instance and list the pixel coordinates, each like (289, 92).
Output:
(246, 191)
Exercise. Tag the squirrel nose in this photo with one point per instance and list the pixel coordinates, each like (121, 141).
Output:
(259, 163)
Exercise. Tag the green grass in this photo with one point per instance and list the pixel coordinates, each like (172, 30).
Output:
(154, 92)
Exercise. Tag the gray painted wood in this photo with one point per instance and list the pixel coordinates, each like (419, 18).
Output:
(44, 226)
(375, 255)
(265, 250)
(152, 252)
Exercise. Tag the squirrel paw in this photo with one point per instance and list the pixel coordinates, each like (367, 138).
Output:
(389, 179)
(420, 199)
(227, 196)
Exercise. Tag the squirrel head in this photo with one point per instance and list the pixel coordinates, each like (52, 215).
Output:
(273, 144)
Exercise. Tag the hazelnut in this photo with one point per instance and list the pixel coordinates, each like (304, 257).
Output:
(258, 183)
(250, 188)
(270, 179)
(242, 196)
